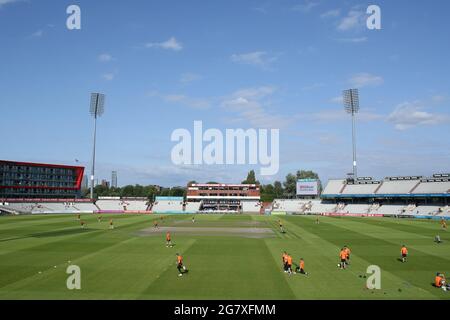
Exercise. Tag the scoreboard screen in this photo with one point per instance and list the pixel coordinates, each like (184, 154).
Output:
(307, 187)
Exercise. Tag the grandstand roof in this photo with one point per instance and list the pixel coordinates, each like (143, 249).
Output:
(409, 186)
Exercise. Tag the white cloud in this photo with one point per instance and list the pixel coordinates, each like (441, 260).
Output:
(353, 40)
(331, 14)
(308, 50)
(254, 93)
(195, 103)
(339, 100)
(38, 34)
(105, 57)
(439, 98)
(412, 114)
(305, 6)
(4, 2)
(313, 86)
(354, 20)
(257, 58)
(171, 44)
(189, 77)
(250, 105)
(335, 115)
(108, 76)
(364, 79)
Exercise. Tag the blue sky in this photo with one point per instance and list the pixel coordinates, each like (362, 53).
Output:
(164, 64)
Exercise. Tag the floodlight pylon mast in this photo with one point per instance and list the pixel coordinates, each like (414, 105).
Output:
(351, 103)
(96, 110)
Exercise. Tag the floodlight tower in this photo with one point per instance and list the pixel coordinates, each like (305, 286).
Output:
(96, 110)
(351, 104)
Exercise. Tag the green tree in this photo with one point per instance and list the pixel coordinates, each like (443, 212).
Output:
(251, 178)
(307, 174)
(278, 189)
(177, 192)
(290, 185)
(267, 193)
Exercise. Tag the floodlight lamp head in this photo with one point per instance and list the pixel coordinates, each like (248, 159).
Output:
(351, 100)
(97, 106)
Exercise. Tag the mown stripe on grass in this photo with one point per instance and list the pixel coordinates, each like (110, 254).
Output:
(325, 280)
(223, 268)
(379, 251)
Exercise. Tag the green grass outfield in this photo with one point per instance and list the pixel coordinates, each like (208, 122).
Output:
(125, 263)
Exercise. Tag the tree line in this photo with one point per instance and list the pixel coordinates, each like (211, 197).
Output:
(269, 192)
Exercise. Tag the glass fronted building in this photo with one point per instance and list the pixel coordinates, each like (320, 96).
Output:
(39, 180)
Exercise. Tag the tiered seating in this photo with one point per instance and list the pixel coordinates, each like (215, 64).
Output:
(390, 209)
(427, 210)
(289, 205)
(360, 188)
(168, 205)
(318, 207)
(20, 207)
(444, 211)
(251, 206)
(357, 208)
(51, 207)
(192, 207)
(410, 209)
(85, 207)
(110, 204)
(374, 208)
(334, 187)
(397, 187)
(432, 187)
(340, 208)
(135, 205)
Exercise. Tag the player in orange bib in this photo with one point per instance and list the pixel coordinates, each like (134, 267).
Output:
(343, 257)
(111, 224)
(444, 224)
(83, 224)
(284, 260)
(301, 267)
(181, 268)
(168, 240)
(347, 252)
(155, 224)
(441, 282)
(289, 264)
(404, 253)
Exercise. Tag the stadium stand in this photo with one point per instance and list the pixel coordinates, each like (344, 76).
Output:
(427, 210)
(356, 208)
(390, 209)
(432, 187)
(360, 188)
(192, 207)
(135, 205)
(334, 186)
(397, 187)
(251, 206)
(168, 205)
(318, 207)
(407, 196)
(50, 207)
(85, 207)
(289, 205)
(110, 204)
